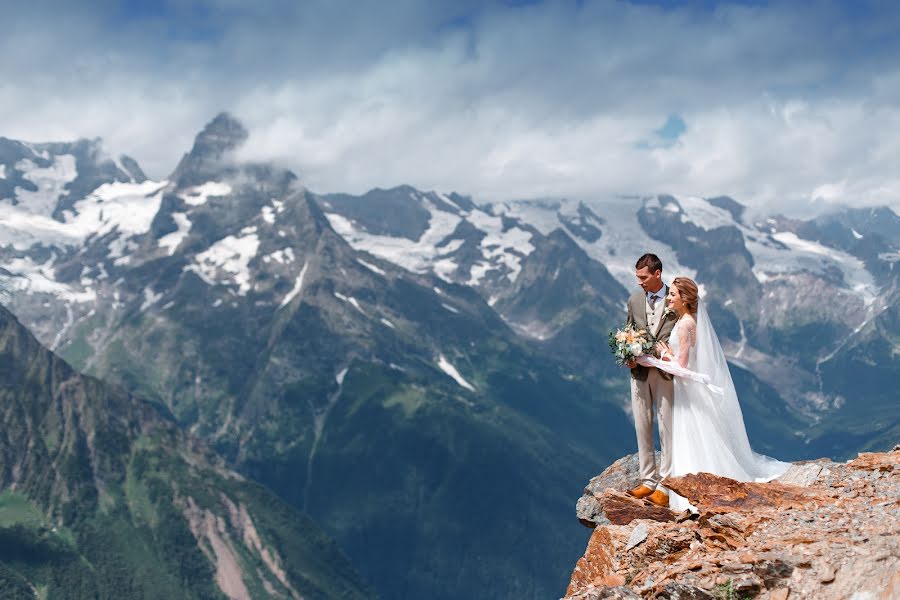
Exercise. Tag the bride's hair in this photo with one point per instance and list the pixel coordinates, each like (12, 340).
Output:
(689, 293)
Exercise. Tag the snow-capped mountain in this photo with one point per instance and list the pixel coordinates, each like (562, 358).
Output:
(224, 294)
(465, 342)
(757, 277)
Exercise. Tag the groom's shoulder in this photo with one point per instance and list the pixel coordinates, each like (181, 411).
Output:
(636, 297)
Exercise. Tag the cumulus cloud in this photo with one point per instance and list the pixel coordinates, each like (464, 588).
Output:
(775, 103)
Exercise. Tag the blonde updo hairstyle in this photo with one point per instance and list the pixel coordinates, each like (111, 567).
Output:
(689, 293)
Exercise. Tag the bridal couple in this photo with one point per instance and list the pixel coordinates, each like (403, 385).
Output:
(701, 428)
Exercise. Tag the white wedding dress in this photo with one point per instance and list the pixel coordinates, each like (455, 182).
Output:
(708, 433)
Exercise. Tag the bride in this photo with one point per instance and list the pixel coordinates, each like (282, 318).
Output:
(708, 431)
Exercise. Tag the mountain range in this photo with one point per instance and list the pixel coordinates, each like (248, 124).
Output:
(426, 377)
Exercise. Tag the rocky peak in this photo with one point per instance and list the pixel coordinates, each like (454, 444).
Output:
(731, 205)
(822, 530)
(219, 137)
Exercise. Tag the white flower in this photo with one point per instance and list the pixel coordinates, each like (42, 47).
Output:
(636, 349)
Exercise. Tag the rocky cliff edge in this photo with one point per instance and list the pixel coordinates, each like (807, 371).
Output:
(823, 530)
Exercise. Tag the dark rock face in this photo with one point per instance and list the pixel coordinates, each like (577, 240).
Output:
(731, 205)
(395, 212)
(209, 156)
(585, 225)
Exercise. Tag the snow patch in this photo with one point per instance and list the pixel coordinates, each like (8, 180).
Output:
(371, 267)
(451, 247)
(198, 195)
(388, 323)
(171, 241)
(32, 278)
(231, 255)
(150, 298)
(340, 376)
(445, 268)
(856, 234)
(450, 370)
(499, 247)
(704, 215)
(51, 183)
(126, 207)
(351, 300)
(282, 256)
(772, 259)
(269, 212)
(450, 308)
(298, 285)
(416, 256)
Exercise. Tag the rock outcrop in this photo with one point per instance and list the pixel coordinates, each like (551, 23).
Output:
(822, 530)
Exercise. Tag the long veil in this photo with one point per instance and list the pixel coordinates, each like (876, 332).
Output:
(723, 447)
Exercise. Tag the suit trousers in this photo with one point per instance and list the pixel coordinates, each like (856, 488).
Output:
(655, 394)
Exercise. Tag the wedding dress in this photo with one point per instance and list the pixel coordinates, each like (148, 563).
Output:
(708, 433)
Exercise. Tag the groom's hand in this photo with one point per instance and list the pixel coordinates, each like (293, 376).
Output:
(663, 351)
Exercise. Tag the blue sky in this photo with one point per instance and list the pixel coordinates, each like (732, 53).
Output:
(769, 102)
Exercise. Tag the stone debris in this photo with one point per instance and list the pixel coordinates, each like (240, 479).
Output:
(638, 535)
(823, 530)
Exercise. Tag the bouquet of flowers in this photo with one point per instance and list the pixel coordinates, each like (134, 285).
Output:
(628, 343)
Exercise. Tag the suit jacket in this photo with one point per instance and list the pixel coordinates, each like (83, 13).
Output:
(637, 316)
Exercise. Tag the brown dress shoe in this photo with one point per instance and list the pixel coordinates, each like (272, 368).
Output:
(659, 498)
(641, 491)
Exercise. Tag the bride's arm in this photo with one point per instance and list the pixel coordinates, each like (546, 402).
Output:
(686, 336)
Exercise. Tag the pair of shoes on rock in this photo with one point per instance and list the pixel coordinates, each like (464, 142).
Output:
(657, 497)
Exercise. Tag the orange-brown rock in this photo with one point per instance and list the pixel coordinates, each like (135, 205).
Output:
(596, 567)
(826, 531)
(621, 509)
(721, 494)
(881, 461)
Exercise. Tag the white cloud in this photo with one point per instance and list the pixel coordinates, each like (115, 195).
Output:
(781, 103)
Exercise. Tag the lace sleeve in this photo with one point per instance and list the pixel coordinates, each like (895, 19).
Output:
(687, 337)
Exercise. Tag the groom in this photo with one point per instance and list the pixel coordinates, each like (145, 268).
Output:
(649, 386)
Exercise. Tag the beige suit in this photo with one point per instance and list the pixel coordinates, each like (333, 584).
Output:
(651, 388)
